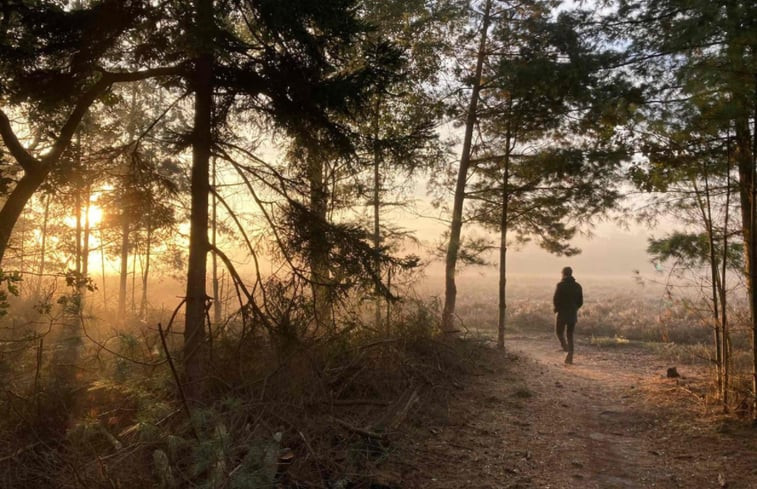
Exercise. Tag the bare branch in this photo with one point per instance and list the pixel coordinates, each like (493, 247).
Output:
(88, 98)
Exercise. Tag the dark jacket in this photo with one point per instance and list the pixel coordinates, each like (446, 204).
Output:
(568, 299)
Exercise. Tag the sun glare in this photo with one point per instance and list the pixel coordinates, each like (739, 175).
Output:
(95, 216)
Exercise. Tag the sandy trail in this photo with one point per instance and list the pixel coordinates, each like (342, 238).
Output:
(610, 420)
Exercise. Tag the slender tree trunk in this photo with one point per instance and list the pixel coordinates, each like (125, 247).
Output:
(78, 233)
(43, 246)
(388, 301)
(146, 271)
(319, 248)
(124, 272)
(723, 287)
(133, 303)
(747, 194)
(22, 232)
(752, 157)
(195, 337)
(85, 252)
(377, 209)
(222, 293)
(705, 208)
(744, 156)
(502, 320)
(214, 259)
(128, 205)
(102, 270)
(453, 247)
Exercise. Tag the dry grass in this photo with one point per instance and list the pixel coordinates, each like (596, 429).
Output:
(322, 413)
(620, 314)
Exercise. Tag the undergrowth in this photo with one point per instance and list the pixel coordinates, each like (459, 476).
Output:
(316, 413)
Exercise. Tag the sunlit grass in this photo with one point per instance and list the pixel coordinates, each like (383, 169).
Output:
(604, 341)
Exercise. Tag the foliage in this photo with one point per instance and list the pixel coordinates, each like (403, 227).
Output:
(352, 259)
(9, 284)
(548, 83)
(692, 250)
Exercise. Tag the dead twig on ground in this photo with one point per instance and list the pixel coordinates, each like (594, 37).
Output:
(20, 451)
(177, 380)
(359, 431)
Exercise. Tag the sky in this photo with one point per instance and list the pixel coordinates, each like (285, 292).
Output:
(612, 251)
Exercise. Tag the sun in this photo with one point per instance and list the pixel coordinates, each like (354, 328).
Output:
(94, 216)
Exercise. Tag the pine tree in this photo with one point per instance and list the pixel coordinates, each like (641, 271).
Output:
(705, 52)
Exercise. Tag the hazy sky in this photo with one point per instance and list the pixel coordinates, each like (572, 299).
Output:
(611, 251)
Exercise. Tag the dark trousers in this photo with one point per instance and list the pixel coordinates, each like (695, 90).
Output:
(561, 325)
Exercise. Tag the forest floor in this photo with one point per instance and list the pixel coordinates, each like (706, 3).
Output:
(611, 420)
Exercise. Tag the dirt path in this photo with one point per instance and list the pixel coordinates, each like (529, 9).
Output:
(611, 420)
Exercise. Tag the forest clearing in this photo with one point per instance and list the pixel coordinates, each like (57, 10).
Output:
(345, 244)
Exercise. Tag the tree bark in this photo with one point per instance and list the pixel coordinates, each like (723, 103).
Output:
(14, 205)
(195, 337)
(705, 208)
(453, 247)
(78, 233)
(127, 209)
(319, 248)
(502, 319)
(102, 270)
(377, 209)
(124, 272)
(84, 252)
(217, 313)
(747, 193)
(43, 246)
(135, 256)
(146, 270)
(723, 288)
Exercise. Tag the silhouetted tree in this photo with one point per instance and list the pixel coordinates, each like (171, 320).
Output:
(705, 52)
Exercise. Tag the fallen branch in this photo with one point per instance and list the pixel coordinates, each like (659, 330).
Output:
(359, 431)
(316, 459)
(178, 381)
(20, 451)
(398, 412)
(359, 402)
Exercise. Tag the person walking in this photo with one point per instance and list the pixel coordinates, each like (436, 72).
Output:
(567, 300)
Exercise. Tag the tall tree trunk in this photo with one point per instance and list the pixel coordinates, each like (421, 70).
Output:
(752, 157)
(124, 272)
(502, 319)
(77, 247)
(377, 209)
(453, 247)
(744, 156)
(723, 289)
(747, 194)
(43, 246)
(195, 338)
(319, 248)
(85, 252)
(22, 240)
(127, 209)
(135, 256)
(146, 270)
(102, 270)
(217, 314)
(705, 208)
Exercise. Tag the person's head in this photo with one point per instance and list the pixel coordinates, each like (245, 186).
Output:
(567, 272)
